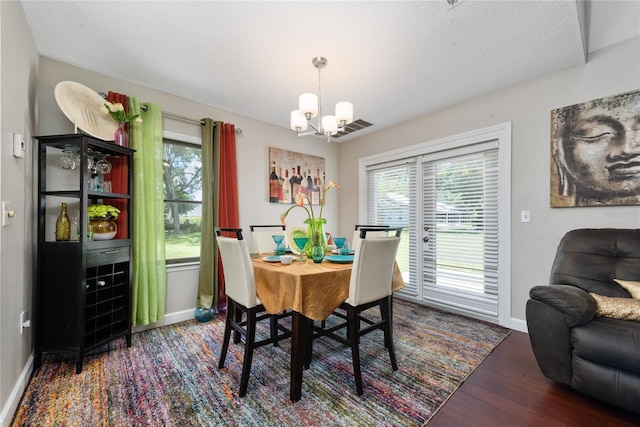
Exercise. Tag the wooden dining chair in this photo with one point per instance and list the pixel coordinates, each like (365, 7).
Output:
(240, 287)
(370, 285)
(261, 236)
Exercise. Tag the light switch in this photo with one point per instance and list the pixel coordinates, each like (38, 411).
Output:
(525, 216)
(7, 213)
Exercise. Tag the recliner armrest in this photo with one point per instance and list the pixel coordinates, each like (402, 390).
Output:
(577, 305)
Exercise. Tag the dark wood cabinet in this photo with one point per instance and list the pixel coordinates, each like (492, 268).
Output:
(82, 295)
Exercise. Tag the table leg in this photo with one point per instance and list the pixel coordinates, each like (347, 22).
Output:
(299, 333)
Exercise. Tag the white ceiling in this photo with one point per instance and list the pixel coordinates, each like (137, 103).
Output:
(394, 60)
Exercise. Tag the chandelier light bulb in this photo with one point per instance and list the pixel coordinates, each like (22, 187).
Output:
(298, 121)
(329, 125)
(344, 112)
(308, 103)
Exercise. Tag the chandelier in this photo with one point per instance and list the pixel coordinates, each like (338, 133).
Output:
(310, 106)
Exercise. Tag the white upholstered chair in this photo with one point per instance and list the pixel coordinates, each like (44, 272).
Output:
(370, 285)
(261, 237)
(240, 288)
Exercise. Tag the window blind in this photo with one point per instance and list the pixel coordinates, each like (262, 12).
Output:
(391, 189)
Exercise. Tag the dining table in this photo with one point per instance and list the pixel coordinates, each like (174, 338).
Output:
(312, 291)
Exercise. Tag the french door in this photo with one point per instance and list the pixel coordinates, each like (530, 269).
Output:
(460, 231)
(449, 198)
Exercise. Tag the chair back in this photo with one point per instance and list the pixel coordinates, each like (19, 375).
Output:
(240, 284)
(591, 258)
(261, 237)
(373, 230)
(372, 270)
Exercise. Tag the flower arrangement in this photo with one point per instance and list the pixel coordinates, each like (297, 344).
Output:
(116, 110)
(98, 211)
(316, 234)
(302, 200)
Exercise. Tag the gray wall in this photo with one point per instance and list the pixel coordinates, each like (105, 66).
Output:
(19, 67)
(27, 99)
(527, 106)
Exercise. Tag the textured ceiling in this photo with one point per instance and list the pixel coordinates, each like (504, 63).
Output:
(394, 60)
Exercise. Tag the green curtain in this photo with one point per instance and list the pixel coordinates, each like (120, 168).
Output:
(208, 290)
(149, 261)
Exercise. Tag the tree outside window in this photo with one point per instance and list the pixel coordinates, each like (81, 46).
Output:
(182, 166)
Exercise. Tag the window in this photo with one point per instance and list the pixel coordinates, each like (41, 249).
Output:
(452, 198)
(182, 178)
(390, 187)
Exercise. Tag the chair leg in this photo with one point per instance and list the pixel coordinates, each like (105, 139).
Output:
(386, 312)
(248, 351)
(354, 339)
(238, 316)
(227, 333)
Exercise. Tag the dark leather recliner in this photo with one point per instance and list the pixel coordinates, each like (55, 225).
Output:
(598, 356)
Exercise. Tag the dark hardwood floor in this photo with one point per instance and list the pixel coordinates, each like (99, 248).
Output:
(508, 389)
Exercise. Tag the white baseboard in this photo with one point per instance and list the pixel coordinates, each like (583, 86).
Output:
(168, 319)
(6, 416)
(519, 325)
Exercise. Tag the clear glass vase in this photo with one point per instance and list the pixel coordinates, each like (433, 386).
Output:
(317, 237)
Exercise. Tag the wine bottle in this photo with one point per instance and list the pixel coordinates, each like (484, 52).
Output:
(273, 184)
(280, 186)
(286, 187)
(309, 184)
(63, 224)
(315, 195)
(294, 184)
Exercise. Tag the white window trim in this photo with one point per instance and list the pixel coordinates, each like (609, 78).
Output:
(501, 133)
(182, 137)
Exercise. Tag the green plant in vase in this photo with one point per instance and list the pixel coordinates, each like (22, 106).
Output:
(315, 232)
(102, 219)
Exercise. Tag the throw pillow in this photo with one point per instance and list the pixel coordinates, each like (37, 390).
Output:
(632, 287)
(617, 308)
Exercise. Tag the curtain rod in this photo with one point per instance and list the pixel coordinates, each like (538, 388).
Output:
(176, 116)
(186, 119)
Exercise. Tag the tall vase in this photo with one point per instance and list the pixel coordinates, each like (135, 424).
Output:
(315, 231)
(121, 137)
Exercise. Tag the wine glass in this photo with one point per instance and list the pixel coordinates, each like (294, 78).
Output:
(278, 238)
(103, 166)
(75, 218)
(339, 241)
(345, 250)
(301, 242)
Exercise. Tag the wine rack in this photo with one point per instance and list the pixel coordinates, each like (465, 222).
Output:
(83, 287)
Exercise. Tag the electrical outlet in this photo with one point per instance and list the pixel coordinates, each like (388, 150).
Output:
(24, 321)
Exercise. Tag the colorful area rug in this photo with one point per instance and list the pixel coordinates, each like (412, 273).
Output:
(169, 377)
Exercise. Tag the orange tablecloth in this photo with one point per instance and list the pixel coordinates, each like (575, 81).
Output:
(314, 290)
